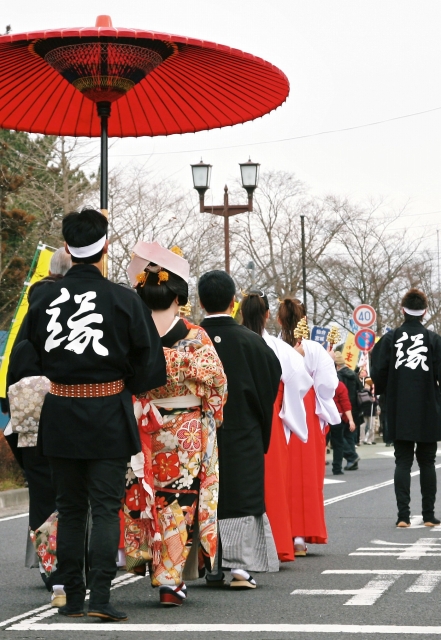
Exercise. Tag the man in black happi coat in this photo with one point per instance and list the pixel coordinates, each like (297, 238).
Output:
(253, 375)
(98, 345)
(406, 365)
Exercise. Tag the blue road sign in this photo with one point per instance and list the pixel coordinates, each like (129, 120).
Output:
(319, 334)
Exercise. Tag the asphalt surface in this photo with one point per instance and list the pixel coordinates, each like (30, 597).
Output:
(397, 601)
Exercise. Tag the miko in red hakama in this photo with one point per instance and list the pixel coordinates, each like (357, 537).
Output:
(307, 475)
(278, 484)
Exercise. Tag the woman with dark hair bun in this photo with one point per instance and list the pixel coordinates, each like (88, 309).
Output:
(174, 480)
(308, 459)
(289, 418)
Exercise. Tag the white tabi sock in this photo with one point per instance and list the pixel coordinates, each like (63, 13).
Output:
(58, 590)
(241, 574)
(121, 561)
(299, 540)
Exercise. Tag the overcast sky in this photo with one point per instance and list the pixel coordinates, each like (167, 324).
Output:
(349, 63)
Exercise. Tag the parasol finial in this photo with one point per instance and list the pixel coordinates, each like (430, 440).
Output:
(103, 21)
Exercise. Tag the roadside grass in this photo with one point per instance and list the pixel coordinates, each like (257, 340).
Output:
(11, 475)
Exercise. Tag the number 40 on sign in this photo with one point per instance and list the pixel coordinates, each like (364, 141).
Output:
(364, 315)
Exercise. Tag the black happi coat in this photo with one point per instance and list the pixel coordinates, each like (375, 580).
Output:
(87, 329)
(253, 374)
(406, 365)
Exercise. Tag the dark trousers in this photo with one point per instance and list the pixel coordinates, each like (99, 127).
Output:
(425, 454)
(349, 452)
(78, 483)
(337, 442)
(41, 491)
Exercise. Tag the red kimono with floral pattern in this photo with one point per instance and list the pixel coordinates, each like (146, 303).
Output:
(176, 475)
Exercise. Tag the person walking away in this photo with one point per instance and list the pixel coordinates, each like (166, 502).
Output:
(22, 364)
(289, 420)
(253, 374)
(97, 345)
(308, 522)
(369, 408)
(353, 385)
(176, 477)
(406, 365)
(343, 405)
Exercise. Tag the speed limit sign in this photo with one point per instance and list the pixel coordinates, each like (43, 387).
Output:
(364, 315)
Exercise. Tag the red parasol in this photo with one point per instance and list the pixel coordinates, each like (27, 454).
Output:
(143, 83)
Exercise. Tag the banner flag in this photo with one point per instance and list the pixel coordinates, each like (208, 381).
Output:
(39, 269)
(351, 352)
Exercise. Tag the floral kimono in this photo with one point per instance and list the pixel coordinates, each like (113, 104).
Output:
(172, 485)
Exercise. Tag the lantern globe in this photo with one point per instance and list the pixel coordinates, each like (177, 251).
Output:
(201, 176)
(250, 175)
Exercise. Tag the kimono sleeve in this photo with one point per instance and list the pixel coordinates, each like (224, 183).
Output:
(322, 368)
(380, 362)
(296, 386)
(146, 356)
(267, 377)
(205, 377)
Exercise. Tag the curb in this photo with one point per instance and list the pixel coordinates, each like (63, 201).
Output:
(14, 498)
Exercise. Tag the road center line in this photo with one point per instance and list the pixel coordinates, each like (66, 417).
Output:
(373, 487)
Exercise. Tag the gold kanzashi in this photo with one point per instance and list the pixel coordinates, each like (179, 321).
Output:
(185, 309)
(141, 277)
(302, 330)
(178, 251)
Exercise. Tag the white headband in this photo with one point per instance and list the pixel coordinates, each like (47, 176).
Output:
(414, 312)
(90, 250)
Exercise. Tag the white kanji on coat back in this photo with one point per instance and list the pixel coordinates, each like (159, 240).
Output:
(415, 354)
(81, 332)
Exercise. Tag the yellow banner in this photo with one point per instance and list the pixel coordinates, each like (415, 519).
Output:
(351, 352)
(41, 271)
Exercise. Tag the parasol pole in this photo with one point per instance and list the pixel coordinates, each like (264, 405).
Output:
(103, 109)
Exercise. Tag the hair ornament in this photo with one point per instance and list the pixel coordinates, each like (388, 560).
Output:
(185, 309)
(141, 278)
(162, 276)
(177, 251)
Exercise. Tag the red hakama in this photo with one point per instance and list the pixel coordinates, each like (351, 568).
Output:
(307, 462)
(277, 484)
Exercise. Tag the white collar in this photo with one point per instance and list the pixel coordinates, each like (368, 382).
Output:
(218, 315)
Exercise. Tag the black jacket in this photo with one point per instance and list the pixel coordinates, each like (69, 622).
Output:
(253, 375)
(353, 385)
(406, 365)
(86, 329)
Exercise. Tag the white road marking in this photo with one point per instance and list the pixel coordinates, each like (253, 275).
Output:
(235, 628)
(367, 489)
(390, 454)
(21, 515)
(425, 582)
(410, 551)
(332, 481)
(47, 611)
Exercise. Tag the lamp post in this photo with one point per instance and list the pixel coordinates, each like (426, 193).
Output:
(302, 221)
(201, 181)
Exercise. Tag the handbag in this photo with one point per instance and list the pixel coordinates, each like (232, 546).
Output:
(363, 397)
(26, 399)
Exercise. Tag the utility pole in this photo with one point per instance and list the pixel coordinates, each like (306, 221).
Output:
(437, 242)
(302, 220)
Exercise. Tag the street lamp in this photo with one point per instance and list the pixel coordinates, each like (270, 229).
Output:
(201, 182)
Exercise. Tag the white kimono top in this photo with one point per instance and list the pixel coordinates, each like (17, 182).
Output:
(321, 368)
(297, 382)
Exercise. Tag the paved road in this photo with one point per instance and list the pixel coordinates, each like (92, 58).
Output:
(370, 581)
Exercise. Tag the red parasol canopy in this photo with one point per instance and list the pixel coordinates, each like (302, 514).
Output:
(158, 84)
